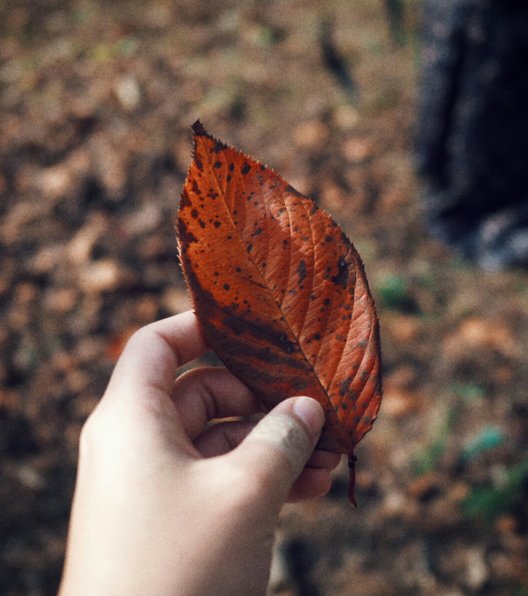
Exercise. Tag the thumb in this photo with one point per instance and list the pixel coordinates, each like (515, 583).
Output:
(278, 447)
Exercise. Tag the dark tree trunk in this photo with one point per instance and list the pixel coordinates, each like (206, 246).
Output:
(472, 142)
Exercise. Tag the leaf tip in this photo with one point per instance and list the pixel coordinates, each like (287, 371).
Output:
(198, 129)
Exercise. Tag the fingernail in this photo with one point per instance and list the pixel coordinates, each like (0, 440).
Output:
(311, 414)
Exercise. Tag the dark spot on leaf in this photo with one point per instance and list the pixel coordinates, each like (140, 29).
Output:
(217, 164)
(185, 236)
(231, 166)
(341, 278)
(217, 224)
(265, 333)
(196, 188)
(245, 168)
(287, 345)
(299, 385)
(226, 287)
(194, 213)
(185, 201)
(219, 146)
(301, 270)
(343, 387)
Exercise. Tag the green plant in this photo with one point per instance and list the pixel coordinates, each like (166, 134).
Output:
(492, 500)
(394, 293)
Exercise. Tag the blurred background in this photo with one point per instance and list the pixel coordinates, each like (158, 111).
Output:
(404, 121)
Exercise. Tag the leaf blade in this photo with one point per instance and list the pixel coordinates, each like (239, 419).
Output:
(279, 290)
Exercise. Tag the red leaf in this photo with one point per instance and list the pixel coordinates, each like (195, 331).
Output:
(279, 290)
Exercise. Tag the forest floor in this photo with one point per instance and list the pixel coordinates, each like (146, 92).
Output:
(96, 103)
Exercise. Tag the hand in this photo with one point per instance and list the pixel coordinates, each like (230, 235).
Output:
(165, 502)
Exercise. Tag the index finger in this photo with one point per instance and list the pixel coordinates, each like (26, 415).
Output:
(155, 352)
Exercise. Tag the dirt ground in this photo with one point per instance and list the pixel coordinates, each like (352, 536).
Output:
(96, 103)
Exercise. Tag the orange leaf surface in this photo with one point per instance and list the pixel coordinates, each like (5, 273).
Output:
(280, 291)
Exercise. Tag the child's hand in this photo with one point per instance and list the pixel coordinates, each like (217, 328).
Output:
(166, 503)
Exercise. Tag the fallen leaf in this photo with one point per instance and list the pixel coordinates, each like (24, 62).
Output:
(280, 291)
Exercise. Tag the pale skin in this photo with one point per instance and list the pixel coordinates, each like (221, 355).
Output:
(165, 503)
